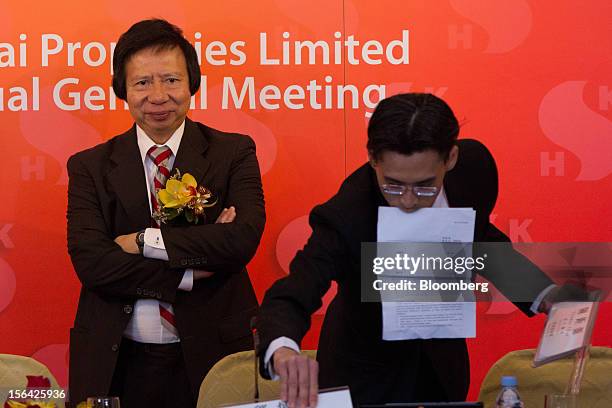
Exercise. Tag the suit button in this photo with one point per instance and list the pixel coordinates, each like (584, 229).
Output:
(128, 309)
(115, 347)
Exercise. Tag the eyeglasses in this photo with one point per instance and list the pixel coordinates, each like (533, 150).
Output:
(399, 190)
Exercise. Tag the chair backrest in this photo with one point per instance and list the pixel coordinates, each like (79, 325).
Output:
(14, 373)
(552, 378)
(230, 381)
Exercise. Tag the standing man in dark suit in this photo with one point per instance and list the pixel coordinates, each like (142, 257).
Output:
(160, 303)
(415, 161)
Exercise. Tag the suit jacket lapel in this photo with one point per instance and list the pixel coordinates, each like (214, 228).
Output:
(190, 156)
(128, 179)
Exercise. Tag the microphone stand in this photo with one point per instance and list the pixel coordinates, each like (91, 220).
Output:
(255, 358)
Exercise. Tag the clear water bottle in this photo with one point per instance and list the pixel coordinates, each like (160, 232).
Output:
(508, 396)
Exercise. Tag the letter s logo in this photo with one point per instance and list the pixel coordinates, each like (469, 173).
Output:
(567, 121)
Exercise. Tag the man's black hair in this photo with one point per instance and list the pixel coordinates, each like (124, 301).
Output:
(159, 35)
(410, 123)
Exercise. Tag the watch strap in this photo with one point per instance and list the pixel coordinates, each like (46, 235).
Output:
(140, 240)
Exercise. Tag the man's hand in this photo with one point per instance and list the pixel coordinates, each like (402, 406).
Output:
(227, 215)
(564, 293)
(128, 243)
(299, 376)
(201, 274)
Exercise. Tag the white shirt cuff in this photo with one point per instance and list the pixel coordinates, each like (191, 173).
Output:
(154, 245)
(275, 345)
(187, 281)
(536, 303)
(154, 248)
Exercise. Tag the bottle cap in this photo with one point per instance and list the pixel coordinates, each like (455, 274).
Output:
(509, 381)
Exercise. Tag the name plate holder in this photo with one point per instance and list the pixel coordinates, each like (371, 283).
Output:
(568, 330)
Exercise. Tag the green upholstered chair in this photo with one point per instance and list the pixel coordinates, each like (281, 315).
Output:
(231, 381)
(14, 372)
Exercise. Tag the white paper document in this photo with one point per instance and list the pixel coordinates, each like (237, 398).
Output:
(332, 398)
(426, 225)
(426, 320)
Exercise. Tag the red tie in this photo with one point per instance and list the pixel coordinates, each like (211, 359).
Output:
(161, 156)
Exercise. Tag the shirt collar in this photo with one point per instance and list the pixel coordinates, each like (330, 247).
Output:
(441, 200)
(145, 142)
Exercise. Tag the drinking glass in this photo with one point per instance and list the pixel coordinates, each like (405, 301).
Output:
(560, 401)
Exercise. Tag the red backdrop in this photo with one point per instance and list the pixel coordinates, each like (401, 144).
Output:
(531, 79)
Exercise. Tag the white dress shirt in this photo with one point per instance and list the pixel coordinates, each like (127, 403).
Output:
(145, 325)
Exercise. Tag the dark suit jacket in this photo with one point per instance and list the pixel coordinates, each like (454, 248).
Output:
(107, 197)
(351, 350)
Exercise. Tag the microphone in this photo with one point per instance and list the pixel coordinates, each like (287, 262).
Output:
(255, 358)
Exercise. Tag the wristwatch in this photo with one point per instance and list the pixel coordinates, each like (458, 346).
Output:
(140, 240)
